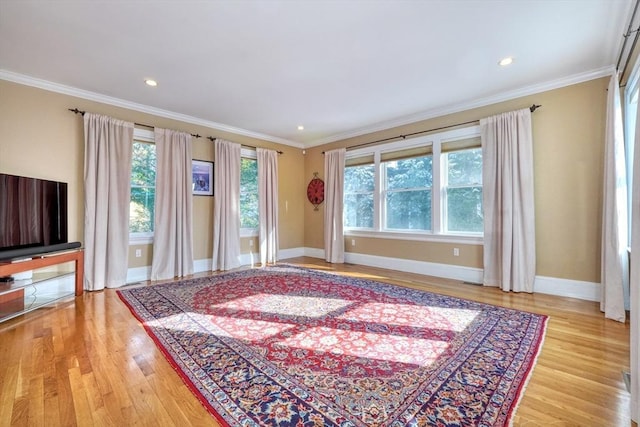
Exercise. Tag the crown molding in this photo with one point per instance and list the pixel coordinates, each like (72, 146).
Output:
(117, 102)
(405, 120)
(468, 105)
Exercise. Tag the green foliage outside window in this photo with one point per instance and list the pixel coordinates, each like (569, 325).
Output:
(249, 193)
(358, 196)
(464, 191)
(143, 188)
(408, 193)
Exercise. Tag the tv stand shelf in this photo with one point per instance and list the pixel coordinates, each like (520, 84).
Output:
(43, 287)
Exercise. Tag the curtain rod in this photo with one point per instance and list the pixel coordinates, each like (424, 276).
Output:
(76, 111)
(624, 43)
(533, 108)
(213, 138)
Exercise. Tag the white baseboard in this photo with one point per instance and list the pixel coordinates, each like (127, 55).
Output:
(201, 265)
(291, 253)
(314, 253)
(138, 274)
(589, 291)
(447, 271)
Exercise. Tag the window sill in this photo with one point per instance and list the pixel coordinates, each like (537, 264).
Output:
(469, 239)
(248, 232)
(140, 239)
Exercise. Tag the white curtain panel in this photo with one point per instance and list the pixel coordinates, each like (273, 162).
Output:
(108, 147)
(173, 229)
(614, 258)
(634, 283)
(333, 208)
(509, 222)
(268, 204)
(226, 210)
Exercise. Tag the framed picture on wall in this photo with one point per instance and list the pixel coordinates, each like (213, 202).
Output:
(202, 174)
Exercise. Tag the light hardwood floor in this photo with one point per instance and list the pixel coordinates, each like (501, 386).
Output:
(89, 362)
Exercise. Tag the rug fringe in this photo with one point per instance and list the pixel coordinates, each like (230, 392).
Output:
(525, 383)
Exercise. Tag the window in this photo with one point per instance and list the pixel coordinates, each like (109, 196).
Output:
(426, 186)
(462, 161)
(143, 186)
(359, 187)
(407, 189)
(632, 91)
(248, 192)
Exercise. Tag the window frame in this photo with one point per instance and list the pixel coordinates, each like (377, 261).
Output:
(444, 198)
(373, 192)
(438, 208)
(385, 192)
(630, 122)
(249, 232)
(144, 136)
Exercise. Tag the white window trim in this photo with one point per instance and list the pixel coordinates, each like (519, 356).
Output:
(633, 85)
(422, 236)
(444, 196)
(144, 135)
(437, 234)
(249, 232)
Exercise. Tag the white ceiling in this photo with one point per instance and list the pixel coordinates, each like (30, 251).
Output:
(340, 68)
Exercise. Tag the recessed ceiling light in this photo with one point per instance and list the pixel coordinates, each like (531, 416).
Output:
(151, 82)
(300, 127)
(506, 61)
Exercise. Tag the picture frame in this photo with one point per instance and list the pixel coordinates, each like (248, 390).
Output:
(202, 176)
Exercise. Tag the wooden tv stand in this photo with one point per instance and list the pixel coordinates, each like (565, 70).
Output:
(46, 260)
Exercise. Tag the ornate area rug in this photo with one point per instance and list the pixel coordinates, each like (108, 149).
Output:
(286, 346)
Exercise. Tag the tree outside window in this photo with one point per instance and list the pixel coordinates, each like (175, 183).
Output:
(358, 196)
(249, 193)
(408, 193)
(464, 191)
(143, 188)
(430, 185)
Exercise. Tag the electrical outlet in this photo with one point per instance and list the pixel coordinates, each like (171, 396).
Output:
(353, 242)
(456, 252)
(138, 253)
(250, 242)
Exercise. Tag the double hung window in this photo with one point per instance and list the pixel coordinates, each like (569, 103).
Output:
(248, 193)
(427, 186)
(359, 186)
(143, 187)
(406, 189)
(462, 186)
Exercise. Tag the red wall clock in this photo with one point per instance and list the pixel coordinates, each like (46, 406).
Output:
(315, 191)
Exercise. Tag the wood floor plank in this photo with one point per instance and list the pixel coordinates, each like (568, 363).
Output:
(89, 362)
(36, 401)
(80, 399)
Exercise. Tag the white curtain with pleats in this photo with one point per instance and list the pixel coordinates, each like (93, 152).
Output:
(634, 282)
(108, 148)
(226, 210)
(614, 277)
(268, 204)
(333, 208)
(509, 222)
(173, 229)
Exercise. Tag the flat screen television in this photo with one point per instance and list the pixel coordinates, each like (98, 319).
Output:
(33, 216)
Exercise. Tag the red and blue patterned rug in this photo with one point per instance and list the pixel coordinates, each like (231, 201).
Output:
(287, 346)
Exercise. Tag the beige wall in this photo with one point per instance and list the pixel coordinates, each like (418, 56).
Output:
(39, 137)
(568, 134)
